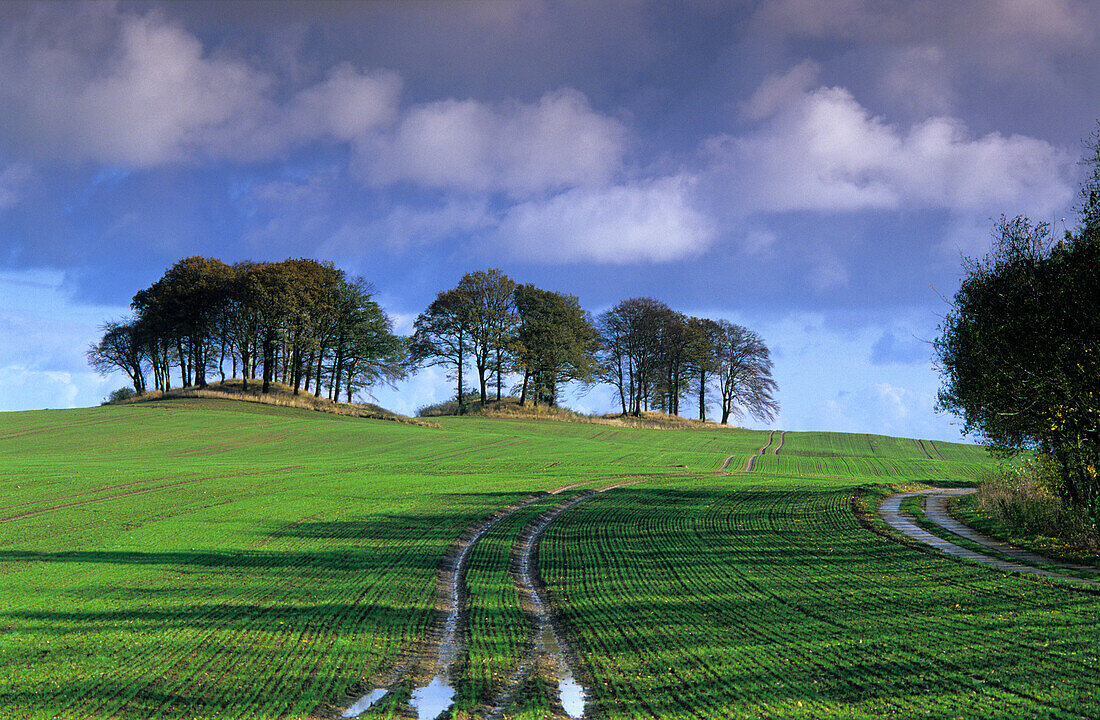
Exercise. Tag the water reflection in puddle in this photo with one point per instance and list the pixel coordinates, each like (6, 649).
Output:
(431, 700)
(571, 694)
(364, 703)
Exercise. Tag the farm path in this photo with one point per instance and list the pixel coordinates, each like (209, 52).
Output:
(443, 646)
(890, 511)
(548, 641)
(752, 458)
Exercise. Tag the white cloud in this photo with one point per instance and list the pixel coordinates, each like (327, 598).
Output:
(556, 143)
(22, 388)
(348, 104)
(650, 221)
(780, 90)
(854, 393)
(46, 367)
(132, 89)
(820, 150)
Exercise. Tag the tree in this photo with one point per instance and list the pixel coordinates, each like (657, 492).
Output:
(442, 336)
(1089, 203)
(1019, 352)
(365, 349)
(183, 307)
(119, 349)
(673, 337)
(630, 338)
(555, 343)
(744, 373)
(702, 356)
(492, 320)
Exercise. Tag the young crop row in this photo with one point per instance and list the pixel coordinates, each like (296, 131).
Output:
(695, 601)
(850, 445)
(864, 468)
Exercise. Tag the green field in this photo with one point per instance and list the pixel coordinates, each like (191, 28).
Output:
(212, 559)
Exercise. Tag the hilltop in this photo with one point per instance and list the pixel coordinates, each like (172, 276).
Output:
(280, 395)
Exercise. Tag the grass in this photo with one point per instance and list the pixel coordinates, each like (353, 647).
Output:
(278, 394)
(205, 558)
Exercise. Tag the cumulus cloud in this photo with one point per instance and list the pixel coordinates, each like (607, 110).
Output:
(520, 149)
(818, 149)
(124, 88)
(649, 221)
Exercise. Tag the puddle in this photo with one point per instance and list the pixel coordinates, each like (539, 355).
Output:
(433, 699)
(571, 694)
(364, 703)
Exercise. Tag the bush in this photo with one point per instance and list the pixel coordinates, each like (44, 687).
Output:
(121, 395)
(1022, 499)
(450, 407)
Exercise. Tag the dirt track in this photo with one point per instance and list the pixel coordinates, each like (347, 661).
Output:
(1023, 561)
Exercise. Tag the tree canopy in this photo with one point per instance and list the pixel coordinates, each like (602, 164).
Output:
(1019, 351)
(300, 321)
(304, 323)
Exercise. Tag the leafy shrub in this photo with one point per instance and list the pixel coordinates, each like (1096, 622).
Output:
(1022, 499)
(121, 395)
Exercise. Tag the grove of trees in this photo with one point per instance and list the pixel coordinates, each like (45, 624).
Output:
(1019, 351)
(652, 355)
(306, 324)
(300, 322)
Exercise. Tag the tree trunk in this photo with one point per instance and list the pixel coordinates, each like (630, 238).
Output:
(498, 374)
(702, 395)
(269, 364)
(461, 398)
(320, 369)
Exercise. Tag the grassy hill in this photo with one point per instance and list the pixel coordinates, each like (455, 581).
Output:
(206, 558)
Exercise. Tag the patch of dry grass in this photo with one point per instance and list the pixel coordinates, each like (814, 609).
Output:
(510, 407)
(280, 395)
(1022, 502)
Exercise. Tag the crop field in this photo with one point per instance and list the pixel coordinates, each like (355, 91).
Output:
(212, 559)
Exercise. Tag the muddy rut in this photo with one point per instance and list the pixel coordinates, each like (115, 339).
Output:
(443, 648)
(548, 653)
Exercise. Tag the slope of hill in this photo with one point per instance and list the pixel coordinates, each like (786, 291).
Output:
(207, 559)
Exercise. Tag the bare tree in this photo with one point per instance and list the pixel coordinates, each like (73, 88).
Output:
(744, 374)
(119, 349)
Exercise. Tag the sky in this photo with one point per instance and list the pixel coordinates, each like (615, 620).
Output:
(813, 170)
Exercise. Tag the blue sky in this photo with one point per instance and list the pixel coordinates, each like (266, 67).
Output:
(813, 170)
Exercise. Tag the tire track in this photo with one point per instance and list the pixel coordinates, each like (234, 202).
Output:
(936, 450)
(440, 650)
(782, 439)
(752, 458)
(548, 648)
(920, 444)
(138, 491)
(890, 511)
